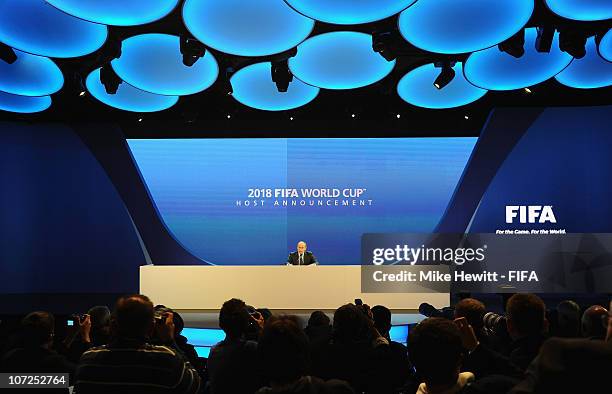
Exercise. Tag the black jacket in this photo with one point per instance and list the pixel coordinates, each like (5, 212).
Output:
(309, 258)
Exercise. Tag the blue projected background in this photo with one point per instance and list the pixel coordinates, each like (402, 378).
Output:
(201, 190)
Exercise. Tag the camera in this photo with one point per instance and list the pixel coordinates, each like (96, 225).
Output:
(497, 324)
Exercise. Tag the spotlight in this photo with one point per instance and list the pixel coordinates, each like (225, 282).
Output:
(139, 119)
(544, 39)
(192, 50)
(291, 118)
(109, 79)
(82, 93)
(79, 86)
(229, 116)
(446, 75)
(382, 43)
(466, 117)
(7, 54)
(398, 116)
(353, 115)
(573, 42)
(515, 45)
(527, 90)
(281, 75)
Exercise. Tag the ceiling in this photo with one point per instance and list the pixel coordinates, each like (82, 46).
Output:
(178, 67)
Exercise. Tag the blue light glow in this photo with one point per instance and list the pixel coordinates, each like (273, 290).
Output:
(30, 75)
(116, 12)
(459, 26)
(339, 60)
(203, 336)
(349, 12)
(590, 72)
(417, 88)
(246, 27)
(37, 27)
(253, 87)
(23, 104)
(399, 333)
(203, 352)
(154, 63)
(605, 46)
(128, 98)
(582, 10)
(495, 70)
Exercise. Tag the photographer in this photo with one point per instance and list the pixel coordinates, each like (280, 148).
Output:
(143, 365)
(232, 364)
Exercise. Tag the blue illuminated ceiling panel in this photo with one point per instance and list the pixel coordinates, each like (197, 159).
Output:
(37, 27)
(246, 27)
(349, 12)
(582, 10)
(417, 88)
(253, 87)
(460, 26)
(128, 98)
(590, 72)
(495, 70)
(23, 104)
(154, 63)
(116, 12)
(605, 46)
(339, 60)
(30, 75)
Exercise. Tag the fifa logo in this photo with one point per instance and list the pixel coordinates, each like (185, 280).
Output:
(530, 213)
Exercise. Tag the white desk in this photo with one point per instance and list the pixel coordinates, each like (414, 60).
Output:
(287, 288)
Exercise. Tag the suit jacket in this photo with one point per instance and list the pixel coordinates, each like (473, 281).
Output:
(309, 258)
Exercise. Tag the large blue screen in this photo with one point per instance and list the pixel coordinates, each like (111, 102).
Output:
(249, 201)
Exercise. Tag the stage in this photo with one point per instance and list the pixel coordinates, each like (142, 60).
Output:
(290, 289)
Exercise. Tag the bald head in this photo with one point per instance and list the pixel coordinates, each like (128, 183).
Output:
(594, 322)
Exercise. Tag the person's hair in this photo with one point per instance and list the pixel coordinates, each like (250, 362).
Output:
(526, 313)
(37, 328)
(283, 349)
(100, 316)
(178, 321)
(568, 318)
(350, 324)
(473, 311)
(233, 318)
(318, 319)
(133, 316)
(594, 321)
(382, 318)
(435, 349)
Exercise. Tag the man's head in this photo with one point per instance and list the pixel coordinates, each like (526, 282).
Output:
(435, 350)
(133, 317)
(283, 350)
(473, 311)
(568, 319)
(382, 319)
(301, 247)
(38, 329)
(526, 316)
(318, 319)
(234, 318)
(350, 324)
(595, 322)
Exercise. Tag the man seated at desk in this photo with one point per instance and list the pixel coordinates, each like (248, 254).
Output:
(301, 256)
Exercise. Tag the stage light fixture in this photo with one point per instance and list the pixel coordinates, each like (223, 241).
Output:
(382, 43)
(192, 50)
(573, 42)
(544, 39)
(109, 79)
(281, 75)
(515, 45)
(446, 74)
(7, 54)
(528, 91)
(398, 116)
(466, 117)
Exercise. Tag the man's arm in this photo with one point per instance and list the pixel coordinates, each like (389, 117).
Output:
(314, 259)
(289, 262)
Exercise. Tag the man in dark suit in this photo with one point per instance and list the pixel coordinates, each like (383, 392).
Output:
(301, 256)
